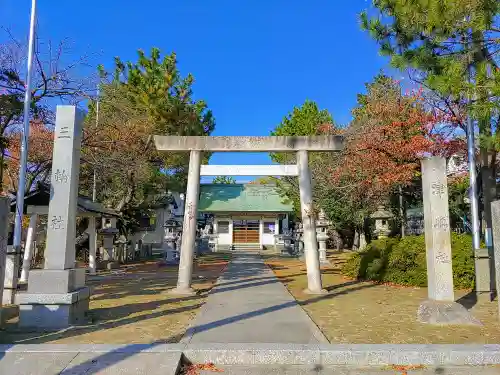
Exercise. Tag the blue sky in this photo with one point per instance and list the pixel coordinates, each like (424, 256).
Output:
(253, 61)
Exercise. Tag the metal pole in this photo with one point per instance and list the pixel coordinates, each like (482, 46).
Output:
(26, 132)
(471, 153)
(474, 204)
(94, 187)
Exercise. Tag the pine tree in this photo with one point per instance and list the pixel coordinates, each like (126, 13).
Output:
(454, 47)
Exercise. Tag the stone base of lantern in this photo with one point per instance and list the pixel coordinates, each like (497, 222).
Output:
(181, 291)
(323, 260)
(55, 299)
(445, 313)
(107, 265)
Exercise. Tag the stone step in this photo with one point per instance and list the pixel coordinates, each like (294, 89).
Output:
(246, 247)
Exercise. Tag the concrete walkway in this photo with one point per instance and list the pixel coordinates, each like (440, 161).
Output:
(250, 305)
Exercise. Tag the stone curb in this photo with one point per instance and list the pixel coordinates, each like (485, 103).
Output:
(356, 355)
(91, 348)
(345, 355)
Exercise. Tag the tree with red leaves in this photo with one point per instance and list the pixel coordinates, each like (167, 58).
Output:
(40, 146)
(390, 134)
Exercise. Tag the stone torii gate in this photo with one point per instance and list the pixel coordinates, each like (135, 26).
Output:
(301, 145)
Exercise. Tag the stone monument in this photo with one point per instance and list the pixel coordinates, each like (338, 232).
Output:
(440, 308)
(57, 296)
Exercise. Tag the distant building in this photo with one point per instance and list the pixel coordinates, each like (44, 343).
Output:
(245, 215)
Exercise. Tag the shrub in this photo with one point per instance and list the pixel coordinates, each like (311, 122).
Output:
(404, 261)
(371, 262)
(462, 260)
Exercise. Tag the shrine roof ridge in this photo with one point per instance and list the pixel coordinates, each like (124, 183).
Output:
(249, 143)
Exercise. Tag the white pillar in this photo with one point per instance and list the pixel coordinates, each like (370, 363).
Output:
(4, 232)
(91, 230)
(309, 225)
(28, 249)
(10, 279)
(189, 226)
(261, 233)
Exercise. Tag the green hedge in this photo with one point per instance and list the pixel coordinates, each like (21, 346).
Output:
(403, 261)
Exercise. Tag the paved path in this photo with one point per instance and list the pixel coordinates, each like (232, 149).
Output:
(249, 304)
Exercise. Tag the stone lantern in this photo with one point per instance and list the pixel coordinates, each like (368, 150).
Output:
(172, 230)
(108, 233)
(382, 218)
(298, 241)
(321, 234)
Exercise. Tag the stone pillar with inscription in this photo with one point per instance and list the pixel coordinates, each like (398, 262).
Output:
(57, 296)
(189, 226)
(495, 219)
(440, 308)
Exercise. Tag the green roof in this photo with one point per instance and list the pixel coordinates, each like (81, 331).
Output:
(241, 198)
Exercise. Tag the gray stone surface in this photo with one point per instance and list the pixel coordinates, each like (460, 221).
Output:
(29, 248)
(445, 313)
(53, 316)
(124, 364)
(34, 363)
(495, 215)
(57, 297)
(112, 265)
(250, 358)
(249, 304)
(53, 298)
(437, 229)
(249, 144)
(482, 271)
(341, 370)
(189, 226)
(56, 281)
(11, 276)
(61, 228)
(314, 285)
(358, 355)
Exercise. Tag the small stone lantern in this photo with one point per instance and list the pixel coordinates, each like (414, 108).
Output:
(382, 218)
(172, 252)
(322, 236)
(298, 241)
(108, 234)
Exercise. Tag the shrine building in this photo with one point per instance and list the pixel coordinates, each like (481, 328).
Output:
(245, 216)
